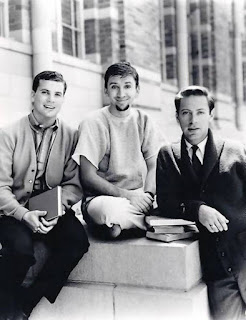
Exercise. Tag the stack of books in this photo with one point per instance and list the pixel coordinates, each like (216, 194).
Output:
(167, 230)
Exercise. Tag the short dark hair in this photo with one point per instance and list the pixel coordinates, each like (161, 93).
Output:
(193, 91)
(48, 75)
(122, 69)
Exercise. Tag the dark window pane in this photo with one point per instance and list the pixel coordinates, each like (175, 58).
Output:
(67, 44)
(66, 12)
(171, 66)
(194, 46)
(204, 12)
(195, 75)
(205, 45)
(77, 42)
(206, 76)
(76, 8)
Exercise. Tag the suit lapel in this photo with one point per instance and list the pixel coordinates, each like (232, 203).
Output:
(211, 156)
(183, 162)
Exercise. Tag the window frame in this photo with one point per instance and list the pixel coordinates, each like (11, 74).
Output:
(4, 22)
(58, 26)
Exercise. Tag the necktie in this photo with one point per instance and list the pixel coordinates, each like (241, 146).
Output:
(196, 164)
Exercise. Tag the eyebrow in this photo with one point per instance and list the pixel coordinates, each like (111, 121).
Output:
(43, 89)
(128, 82)
(187, 108)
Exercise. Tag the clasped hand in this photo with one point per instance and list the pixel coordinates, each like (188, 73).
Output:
(212, 219)
(140, 200)
(36, 222)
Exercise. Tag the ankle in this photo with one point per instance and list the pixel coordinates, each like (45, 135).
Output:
(114, 231)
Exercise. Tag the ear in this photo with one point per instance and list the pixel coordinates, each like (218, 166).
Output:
(137, 90)
(32, 96)
(177, 117)
(106, 91)
(211, 115)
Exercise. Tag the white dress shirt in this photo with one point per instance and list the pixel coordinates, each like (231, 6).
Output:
(199, 152)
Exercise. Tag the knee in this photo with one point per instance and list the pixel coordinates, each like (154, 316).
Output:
(79, 243)
(96, 210)
(22, 245)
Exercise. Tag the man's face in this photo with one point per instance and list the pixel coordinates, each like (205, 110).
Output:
(194, 118)
(47, 100)
(121, 91)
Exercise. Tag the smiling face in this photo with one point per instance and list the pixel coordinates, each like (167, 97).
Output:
(47, 101)
(121, 91)
(194, 118)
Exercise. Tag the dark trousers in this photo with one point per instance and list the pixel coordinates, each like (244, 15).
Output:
(67, 242)
(227, 298)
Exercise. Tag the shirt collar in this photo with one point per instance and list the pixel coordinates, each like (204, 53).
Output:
(201, 147)
(35, 125)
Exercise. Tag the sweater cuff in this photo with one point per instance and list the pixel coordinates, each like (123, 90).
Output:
(19, 213)
(192, 209)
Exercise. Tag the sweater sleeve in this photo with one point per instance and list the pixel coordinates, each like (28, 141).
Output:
(8, 203)
(71, 187)
(92, 143)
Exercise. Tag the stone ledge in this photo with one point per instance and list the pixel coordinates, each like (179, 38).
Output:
(135, 262)
(141, 262)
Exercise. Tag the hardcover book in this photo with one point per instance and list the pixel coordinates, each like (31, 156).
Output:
(168, 237)
(167, 229)
(161, 221)
(50, 201)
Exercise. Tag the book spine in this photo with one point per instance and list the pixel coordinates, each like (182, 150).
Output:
(59, 199)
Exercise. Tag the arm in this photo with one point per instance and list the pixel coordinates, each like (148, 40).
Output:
(9, 205)
(99, 186)
(171, 203)
(8, 202)
(150, 181)
(71, 187)
(168, 186)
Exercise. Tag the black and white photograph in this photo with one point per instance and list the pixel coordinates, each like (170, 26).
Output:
(123, 159)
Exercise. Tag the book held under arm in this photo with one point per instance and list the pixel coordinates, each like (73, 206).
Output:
(50, 201)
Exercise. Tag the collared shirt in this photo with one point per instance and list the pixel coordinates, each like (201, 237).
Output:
(43, 139)
(200, 151)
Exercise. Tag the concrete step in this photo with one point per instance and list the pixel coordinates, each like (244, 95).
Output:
(130, 279)
(86, 301)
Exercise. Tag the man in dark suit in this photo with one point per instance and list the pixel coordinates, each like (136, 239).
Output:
(203, 178)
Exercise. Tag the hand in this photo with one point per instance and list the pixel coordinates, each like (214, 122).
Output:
(140, 200)
(32, 219)
(212, 219)
(46, 226)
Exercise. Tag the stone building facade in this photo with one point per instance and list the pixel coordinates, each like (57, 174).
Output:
(172, 43)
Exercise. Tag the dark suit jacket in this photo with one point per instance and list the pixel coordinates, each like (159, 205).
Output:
(222, 186)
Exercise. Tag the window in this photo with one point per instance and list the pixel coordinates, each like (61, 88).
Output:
(71, 28)
(67, 27)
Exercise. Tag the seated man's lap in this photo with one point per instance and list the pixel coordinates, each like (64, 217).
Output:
(108, 210)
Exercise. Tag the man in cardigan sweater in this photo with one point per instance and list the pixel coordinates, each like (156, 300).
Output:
(35, 155)
(203, 178)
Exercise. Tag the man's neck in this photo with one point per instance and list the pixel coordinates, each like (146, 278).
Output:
(44, 123)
